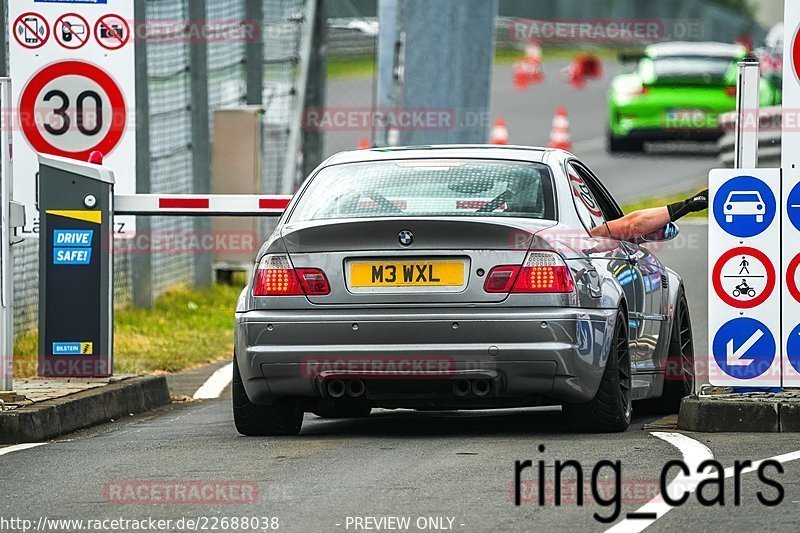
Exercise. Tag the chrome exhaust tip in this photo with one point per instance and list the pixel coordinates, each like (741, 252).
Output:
(336, 388)
(461, 387)
(481, 387)
(356, 388)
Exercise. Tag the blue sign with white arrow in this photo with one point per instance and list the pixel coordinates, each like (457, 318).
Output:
(744, 206)
(793, 348)
(744, 348)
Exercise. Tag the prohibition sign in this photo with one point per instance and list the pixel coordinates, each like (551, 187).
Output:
(791, 275)
(31, 30)
(730, 299)
(796, 53)
(114, 29)
(112, 96)
(67, 27)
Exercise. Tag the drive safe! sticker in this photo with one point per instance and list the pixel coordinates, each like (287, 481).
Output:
(72, 247)
(73, 276)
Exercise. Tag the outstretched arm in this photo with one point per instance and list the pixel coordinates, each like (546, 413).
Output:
(647, 221)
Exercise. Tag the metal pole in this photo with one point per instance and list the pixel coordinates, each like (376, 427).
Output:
(4, 34)
(287, 184)
(748, 98)
(451, 75)
(142, 264)
(254, 52)
(313, 148)
(6, 256)
(201, 143)
(388, 37)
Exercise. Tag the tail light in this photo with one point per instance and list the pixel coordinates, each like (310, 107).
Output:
(542, 272)
(636, 90)
(731, 91)
(275, 276)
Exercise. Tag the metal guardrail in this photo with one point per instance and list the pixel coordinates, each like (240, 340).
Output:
(769, 138)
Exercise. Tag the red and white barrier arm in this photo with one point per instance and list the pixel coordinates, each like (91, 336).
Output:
(229, 205)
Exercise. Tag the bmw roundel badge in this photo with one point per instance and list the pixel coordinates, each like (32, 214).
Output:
(406, 238)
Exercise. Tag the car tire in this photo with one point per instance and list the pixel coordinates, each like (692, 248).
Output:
(623, 144)
(611, 408)
(679, 374)
(283, 417)
(342, 410)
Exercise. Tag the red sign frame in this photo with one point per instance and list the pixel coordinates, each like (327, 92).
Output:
(27, 108)
(730, 300)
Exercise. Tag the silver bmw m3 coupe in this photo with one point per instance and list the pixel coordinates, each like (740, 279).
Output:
(456, 277)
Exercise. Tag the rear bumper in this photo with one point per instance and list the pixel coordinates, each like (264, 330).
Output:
(412, 354)
(674, 134)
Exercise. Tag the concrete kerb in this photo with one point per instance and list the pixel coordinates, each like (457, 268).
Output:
(753, 412)
(51, 418)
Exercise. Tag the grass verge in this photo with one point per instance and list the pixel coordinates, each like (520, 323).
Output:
(186, 328)
(359, 66)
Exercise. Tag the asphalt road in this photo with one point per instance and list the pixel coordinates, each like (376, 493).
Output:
(665, 168)
(407, 464)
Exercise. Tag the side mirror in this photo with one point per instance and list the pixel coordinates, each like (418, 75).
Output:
(667, 233)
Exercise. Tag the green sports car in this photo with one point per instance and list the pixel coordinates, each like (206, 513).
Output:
(677, 92)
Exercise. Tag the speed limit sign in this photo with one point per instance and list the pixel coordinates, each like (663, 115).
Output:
(72, 109)
(75, 95)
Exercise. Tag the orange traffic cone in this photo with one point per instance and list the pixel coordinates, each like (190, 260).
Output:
(364, 143)
(499, 134)
(560, 137)
(527, 72)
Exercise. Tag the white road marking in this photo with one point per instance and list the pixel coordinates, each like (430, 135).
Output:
(694, 453)
(214, 385)
(20, 447)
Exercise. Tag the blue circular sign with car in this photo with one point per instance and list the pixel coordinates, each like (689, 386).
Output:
(744, 206)
(793, 206)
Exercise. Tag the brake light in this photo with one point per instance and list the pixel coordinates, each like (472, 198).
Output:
(731, 91)
(275, 276)
(636, 90)
(542, 272)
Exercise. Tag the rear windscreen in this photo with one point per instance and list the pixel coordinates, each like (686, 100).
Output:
(420, 188)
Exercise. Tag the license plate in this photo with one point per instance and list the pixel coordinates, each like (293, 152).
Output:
(691, 118)
(369, 274)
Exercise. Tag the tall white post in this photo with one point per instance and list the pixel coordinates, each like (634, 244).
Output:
(748, 98)
(6, 257)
